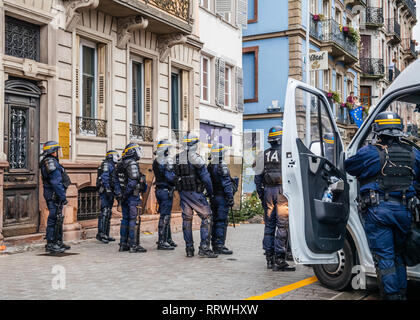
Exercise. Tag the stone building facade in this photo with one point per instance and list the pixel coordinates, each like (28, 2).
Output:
(93, 75)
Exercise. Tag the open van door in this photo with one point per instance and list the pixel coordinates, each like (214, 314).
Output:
(312, 162)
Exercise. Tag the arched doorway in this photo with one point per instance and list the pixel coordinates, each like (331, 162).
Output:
(21, 145)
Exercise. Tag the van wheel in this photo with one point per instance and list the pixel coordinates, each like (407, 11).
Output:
(337, 276)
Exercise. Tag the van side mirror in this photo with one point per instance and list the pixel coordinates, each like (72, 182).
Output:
(315, 148)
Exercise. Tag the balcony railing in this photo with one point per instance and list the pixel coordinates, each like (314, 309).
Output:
(91, 126)
(142, 133)
(393, 27)
(178, 8)
(410, 46)
(329, 31)
(411, 5)
(374, 16)
(372, 67)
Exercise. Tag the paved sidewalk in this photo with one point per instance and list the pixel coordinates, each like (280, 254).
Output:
(99, 271)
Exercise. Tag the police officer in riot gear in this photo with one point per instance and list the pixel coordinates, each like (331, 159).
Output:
(329, 146)
(223, 197)
(108, 186)
(132, 183)
(193, 177)
(386, 172)
(269, 188)
(55, 182)
(163, 169)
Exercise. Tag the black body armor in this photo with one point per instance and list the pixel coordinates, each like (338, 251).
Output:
(49, 164)
(397, 168)
(126, 169)
(222, 171)
(272, 167)
(188, 178)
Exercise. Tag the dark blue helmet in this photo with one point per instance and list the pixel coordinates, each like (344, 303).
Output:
(190, 139)
(328, 138)
(388, 124)
(163, 147)
(112, 155)
(132, 150)
(50, 147)
(275, 134)
(218, 150)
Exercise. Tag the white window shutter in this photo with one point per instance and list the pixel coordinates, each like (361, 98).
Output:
(240, 89)
(220, 82)
(241, 13)
(223, 6)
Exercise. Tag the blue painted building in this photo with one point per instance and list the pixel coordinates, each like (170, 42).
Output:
(274, 49)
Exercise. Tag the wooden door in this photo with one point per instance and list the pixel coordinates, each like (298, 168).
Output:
(21, 144)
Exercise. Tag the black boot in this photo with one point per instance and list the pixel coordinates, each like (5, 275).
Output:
(53, 248)
(289, 256)
(136, 248)
(162, 243)
(101, 237)
(108, 227)
(190, 252)
(169, 236)
(63, 245)
(221, 250)
(124, 247)
(270, 260)
(206, 252)
(280, 264)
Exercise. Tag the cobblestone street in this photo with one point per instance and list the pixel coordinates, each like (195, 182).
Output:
(98, 271)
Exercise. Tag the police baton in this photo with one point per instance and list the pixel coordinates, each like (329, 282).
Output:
(233, 216)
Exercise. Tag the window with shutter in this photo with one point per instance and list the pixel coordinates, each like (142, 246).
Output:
(175, 101)
(88, 79)
(148, 92)
(137, 92)
(240, 89)
(220, 82)
(205, 79)
(241, 13)
(185, 99)
(101, 80)
(228, 87)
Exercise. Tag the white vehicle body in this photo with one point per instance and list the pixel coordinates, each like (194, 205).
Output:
(297, 160)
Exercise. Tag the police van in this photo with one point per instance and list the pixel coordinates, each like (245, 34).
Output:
(329, 234)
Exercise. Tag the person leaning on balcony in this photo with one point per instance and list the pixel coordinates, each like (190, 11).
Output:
(391, 68)
(350, 100)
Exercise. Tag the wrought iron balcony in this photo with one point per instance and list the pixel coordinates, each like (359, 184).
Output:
(409, 46)
(91, 126)
(374, 16)
(142, 133)
(394, 29)
(329, 31)
(411, 5)
(372, 67)
(178, 8)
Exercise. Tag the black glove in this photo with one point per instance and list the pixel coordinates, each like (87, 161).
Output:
(63, 202)
(230, 202)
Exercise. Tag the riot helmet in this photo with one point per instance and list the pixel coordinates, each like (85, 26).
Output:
(163, 148)
(328, 139)
(388, 124)
(275, 134)
(218, 151)
(190, 141)
(112, 155)
(50, 147)
(132, 150)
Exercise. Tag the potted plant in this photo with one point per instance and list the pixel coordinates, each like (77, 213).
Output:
(334, 96)
(346, 29)
(354, 35)
(318, 17)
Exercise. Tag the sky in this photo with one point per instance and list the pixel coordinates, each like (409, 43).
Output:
(416, 30)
